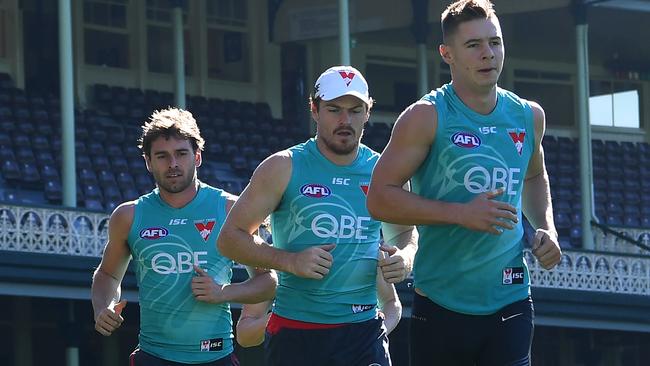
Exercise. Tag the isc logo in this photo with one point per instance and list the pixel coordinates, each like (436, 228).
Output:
(153, 233)
(466, 140)
(513, 275)
(345, 227)
(183, 262)
(341, 181)
(215, 344)
(315, 190)
(486, 130)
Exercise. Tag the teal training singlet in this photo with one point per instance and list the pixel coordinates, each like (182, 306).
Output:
(165, 243)
(325, 203)
(468, 271)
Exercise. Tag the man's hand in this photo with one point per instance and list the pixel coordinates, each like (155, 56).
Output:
(484, 213)
(205, 289)
(110, 318)
(546, 248)
(394, 268)
(314, 262)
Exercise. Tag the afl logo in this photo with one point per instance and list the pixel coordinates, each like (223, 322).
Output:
(466, 140)
(315, 191)
(153, 233)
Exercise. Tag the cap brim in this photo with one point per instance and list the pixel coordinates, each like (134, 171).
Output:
(354, 93)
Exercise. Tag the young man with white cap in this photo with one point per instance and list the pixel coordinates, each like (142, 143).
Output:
(326, 244)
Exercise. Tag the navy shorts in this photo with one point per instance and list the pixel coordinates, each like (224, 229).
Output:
(443, 337)
(141, 358)
(353, 344)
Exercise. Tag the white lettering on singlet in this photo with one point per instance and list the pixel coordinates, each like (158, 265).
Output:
(183, 262)
(478, 179)
(344, 227)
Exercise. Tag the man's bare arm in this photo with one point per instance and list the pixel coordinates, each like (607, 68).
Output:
(536, 199)
(259, 199)
(410, 142)
(107, 279)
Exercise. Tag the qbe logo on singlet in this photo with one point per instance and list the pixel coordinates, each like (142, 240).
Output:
(342, 227)
(479, 179)
(183, 262)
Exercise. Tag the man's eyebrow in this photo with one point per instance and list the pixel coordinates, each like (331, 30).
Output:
(471, 40)
(184, 149)
(339, 106)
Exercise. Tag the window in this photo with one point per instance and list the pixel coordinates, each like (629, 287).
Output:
(556, 99)
(227, 12)
(160, 37)
(106, 37)
(228, 40)
(108, 13)
(393, 86)
(552, 90)
(614, 104)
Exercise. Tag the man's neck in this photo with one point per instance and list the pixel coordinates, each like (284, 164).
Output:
(480, 101)
(180, 199)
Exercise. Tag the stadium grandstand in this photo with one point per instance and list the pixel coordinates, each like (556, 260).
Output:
(78, 78)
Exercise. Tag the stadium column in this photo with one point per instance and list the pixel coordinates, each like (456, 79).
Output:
(344, 32)
(67, 105)
(202, 42)
(420, 29)
(586, 177)
(179, 55)
(72, 337)
(111, 350)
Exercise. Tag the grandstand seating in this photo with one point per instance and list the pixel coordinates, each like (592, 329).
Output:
(620, 171)
(239, 135)
(109, 165)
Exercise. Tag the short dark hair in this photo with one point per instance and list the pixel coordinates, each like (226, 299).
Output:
(463, 11)
(170, 122)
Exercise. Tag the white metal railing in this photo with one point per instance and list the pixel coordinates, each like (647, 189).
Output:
(52, 231)
(594, 271)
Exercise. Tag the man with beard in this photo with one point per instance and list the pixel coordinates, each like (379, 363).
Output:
(326, 243)
(171, 234)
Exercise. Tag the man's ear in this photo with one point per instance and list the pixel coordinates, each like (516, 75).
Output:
(445, 53)
(198, 158)
(147, 162)
(314, 111)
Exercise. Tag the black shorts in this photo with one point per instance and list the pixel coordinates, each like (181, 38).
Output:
(354, 344)
(141, 358)
(443, 337)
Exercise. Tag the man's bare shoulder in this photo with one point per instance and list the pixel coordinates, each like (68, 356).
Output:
(276, 162)
(418, 119)
(123, 214)
(539, 118)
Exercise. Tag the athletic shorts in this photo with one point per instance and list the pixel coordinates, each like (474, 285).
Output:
(141, 358)
(443, 337)
(350, 344)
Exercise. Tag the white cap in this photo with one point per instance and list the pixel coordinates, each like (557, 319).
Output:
(341, 80)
